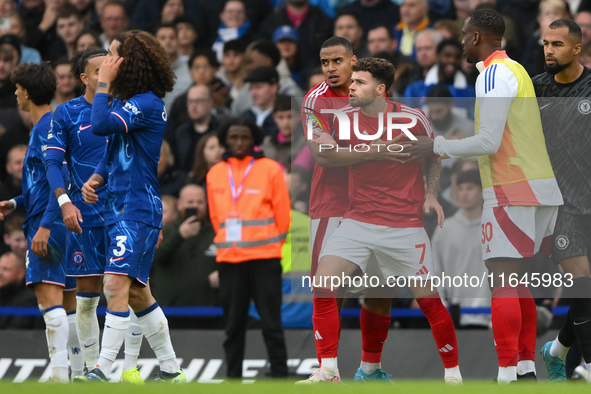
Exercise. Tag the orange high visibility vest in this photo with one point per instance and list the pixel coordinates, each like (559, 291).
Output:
(263, 205)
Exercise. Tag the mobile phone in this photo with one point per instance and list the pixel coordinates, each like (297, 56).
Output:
(190, 212)
(4, 23)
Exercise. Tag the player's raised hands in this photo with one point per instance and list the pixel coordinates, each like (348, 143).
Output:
(72, 216)
(432, 203)
(39, 244)
(6, 207)
(109, 69)
(88, 191)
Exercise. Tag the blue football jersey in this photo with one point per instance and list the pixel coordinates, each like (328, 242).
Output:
(36, 190)
(71, 138)
(130, 165)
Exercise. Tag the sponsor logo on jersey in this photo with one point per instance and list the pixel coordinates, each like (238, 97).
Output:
(129, 107)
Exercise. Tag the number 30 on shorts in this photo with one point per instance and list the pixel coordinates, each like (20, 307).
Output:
(121, 245)
(487, 232)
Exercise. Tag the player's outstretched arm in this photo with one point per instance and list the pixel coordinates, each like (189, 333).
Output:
(433, 171)
(89, 188)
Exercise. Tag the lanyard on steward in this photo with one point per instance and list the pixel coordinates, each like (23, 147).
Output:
(236, 193)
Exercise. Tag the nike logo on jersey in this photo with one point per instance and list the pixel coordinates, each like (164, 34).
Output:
(135, 335)
(579, 323)
(87, 346)
(113, 260)
(83, 127)
(541, 108)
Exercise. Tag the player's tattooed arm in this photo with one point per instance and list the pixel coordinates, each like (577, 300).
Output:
(102, 87)
(432, 171)
(59, 191)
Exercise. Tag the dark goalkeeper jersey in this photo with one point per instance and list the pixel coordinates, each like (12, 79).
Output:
(566, 118)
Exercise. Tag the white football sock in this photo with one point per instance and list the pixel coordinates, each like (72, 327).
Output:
(56, 332)
(133, 342)
(154, 325)
(558, 349)
(369, 368)
(74, 352)
(453, 372)
(330, 364)
(588, 371)
(87, 327)
(507, 375)
(526, 366)
(115, 328)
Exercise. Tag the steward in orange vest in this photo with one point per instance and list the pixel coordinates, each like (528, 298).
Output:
(249, 208)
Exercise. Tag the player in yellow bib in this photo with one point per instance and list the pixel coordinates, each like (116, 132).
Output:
(521, 195)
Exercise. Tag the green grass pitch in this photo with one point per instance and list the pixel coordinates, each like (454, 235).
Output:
(402, 386)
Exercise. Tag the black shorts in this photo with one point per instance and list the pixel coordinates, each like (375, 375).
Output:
(572, 236)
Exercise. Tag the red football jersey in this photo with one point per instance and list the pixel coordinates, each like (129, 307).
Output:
(330, 185)
(383, 192)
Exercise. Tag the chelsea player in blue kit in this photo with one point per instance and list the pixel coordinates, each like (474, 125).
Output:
(44, 229)
(71, 139)
(137, 72)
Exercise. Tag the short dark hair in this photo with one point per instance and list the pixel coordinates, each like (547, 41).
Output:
(469, 176)
(338, 41)
(80, 60)
(67, 11)
(59, 61)
(37, 79)
(235, 46)
(439, 94)
(282, 103)
(206, 53)
(383, 25)
(97, 40)
(352, 14)
(380, 69)
(117, 3)
(165, 25)
(449, 42)
(257, 133)
(268, 49)
(488, 21)
(13, 223)
(573, 28)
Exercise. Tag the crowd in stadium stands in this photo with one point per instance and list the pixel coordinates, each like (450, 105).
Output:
(249, 59)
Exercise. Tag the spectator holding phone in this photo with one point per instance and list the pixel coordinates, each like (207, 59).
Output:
(186, 259)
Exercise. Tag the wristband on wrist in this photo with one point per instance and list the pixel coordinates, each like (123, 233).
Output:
(13, 201)
(61, 200)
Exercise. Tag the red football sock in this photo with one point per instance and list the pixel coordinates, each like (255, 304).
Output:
(442, 328)
(529, 318)
(326, 322)
(506, 324)
(374, 332)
